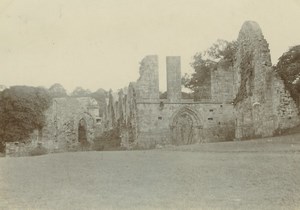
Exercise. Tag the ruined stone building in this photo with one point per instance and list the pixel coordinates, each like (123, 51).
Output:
(263, 106)
(71, 124)
(243, 100)
(149, 120)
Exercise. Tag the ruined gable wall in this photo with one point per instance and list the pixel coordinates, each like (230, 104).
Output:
(259, 92)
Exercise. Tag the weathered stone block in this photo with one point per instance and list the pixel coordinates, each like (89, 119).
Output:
(173, 78)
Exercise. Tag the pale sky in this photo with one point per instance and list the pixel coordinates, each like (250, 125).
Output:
(99, 43)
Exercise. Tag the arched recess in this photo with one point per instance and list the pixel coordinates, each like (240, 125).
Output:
(185, 126)
(86, 122)
(82, 132)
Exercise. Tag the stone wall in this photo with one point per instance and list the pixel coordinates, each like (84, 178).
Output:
(222, 83)
(147, 87)
(262, 105)
(147, 121)
(17, 149)
(63, 118)
(130, 130)
(157, 122)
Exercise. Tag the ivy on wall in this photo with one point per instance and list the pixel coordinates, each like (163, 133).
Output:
(247, 77)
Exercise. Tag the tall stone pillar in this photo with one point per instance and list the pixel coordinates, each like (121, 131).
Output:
(148, 84)
(173, 78)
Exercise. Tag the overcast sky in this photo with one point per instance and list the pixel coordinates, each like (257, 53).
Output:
(99, 43)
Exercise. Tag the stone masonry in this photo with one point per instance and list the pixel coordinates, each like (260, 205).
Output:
(244, 99)
(64, 119)
(222, 83)
(148, 84)
(262, 105)
(173, 78)
(174, 120)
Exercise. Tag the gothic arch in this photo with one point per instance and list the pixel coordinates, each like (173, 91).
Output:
(87, 122)
(82, 131)
(185, 125)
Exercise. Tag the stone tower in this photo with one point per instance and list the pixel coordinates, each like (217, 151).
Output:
(173, 78)
(148, 83)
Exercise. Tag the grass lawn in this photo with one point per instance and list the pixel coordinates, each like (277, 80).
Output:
(260, 174)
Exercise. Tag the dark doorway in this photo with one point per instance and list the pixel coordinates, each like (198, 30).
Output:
(82, 133)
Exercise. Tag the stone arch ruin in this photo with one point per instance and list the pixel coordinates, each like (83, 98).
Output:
(185, 126)
(85, 131)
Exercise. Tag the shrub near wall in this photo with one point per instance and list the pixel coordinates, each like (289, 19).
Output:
(109, 140)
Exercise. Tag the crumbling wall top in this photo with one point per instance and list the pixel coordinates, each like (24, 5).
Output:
(147, 85)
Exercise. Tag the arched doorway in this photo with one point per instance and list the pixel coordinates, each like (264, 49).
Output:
(82, 132)
(185, 127)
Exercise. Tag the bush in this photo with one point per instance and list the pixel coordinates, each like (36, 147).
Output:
(98, 146)
(109, 140)
(39, 150)
(2, 147)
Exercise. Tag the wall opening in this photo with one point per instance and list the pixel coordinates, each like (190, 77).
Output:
(185, 127)
(82, 132)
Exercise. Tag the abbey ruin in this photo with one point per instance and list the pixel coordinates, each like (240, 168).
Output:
(247, 100)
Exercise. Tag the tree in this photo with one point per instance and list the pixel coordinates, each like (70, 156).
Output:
(288, 68)
(2, 87)
(57, 91)
(80, 92)
(204, 62)
(22, 111)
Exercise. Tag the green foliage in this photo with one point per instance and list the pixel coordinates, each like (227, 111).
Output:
(2, 146)
(22, 111)
(205, 62)
(288, 67)
(80, 92)
(57, 91)
(109, 140)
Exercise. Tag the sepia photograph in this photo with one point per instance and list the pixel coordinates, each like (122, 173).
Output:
(149, 104)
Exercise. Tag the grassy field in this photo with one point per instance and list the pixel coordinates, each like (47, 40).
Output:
(260, 174)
